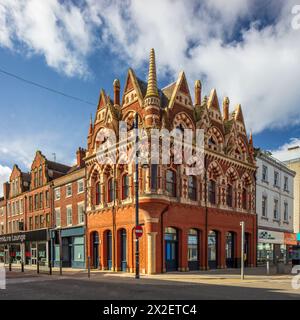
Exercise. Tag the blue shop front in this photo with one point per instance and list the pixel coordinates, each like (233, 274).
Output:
(68, 245)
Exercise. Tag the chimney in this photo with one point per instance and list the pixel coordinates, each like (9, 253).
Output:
(197, 92)
(80, 156)
(6, 190)
(226, 109)
(116, 85)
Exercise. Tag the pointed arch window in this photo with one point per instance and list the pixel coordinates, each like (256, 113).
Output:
(212, 191)
(192, 188)
(98, 193)
(171, 182)
(110, 189)
(154, 177)
(244, 198)
(125, 186)
(229, 195)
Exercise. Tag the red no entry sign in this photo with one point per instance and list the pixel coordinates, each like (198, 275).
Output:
(138, 231)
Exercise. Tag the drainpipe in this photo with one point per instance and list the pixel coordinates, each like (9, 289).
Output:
(114, 218)
(86, 216)
(206, 213)
(162, 236)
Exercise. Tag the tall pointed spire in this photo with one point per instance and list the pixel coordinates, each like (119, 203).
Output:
(152, 81)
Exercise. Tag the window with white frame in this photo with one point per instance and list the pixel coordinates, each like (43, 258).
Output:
(80, 186)
(69, 190)
(57, 217)
(276, 179)
(57, 194)
(264, 173)
(286, 212)
(69, 215)
(286, 184)
(264, 206)
(80, 213)
(276, 211)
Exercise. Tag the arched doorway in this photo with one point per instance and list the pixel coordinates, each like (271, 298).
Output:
(193, 249)
(212, 249)
(171, 249)
(95, 249)
(229, 249)
(247, 249)
(109, 249)
(123, 251)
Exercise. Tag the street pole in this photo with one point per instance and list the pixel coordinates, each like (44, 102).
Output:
(137, 258)
(242, 224)
(268, 263)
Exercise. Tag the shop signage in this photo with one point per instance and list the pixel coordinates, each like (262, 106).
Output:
(39, 235)
(290, 238)
(267, 236)
(13, 238)
(298, 236)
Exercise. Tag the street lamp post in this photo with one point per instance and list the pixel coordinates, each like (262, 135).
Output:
(242, 224)
(137, 257)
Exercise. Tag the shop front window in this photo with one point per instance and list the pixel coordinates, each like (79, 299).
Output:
(78, 245)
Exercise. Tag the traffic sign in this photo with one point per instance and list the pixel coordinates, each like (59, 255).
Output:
(138, 231)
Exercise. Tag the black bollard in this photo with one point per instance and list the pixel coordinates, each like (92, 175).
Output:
(22, 266)
(50, 268)
(38, 267)
(9, 266)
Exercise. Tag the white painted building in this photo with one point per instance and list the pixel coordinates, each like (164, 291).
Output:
(274, 207)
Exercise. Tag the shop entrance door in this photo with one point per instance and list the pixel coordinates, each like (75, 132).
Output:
(33, 256)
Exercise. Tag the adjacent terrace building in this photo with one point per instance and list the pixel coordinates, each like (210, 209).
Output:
(27, 211)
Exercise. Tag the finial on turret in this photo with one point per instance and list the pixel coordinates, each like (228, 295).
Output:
(198, 87)
(152, 90)
(226, 109)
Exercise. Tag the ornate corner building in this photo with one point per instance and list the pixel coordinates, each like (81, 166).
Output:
(189, 222)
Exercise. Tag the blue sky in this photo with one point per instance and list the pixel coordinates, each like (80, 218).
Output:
(245, 49)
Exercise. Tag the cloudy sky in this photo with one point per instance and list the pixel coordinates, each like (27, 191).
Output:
(246, 49)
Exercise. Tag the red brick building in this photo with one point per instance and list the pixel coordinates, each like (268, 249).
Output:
(189, 222)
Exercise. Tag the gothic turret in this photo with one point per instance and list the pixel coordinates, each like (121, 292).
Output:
(152, 99)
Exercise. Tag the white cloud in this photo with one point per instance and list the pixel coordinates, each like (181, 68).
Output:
(4, 176)
(260, 71)
(49, 28)
(283, 153)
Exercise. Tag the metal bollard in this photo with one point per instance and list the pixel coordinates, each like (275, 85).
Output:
(268, 264)
(38, 267)
(60, 267)
(22, 266)
(50, 268)
(89, 267)
(9, 266)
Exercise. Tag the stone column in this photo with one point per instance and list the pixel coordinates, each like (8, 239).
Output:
(151, 244)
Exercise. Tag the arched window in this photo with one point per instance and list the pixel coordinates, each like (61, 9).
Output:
(229, 195)
(98, 193)
(192, 188)
(212, 191)
(244, 199)
(171, 182)
(110, 194)
(125, 186)
(154, 178)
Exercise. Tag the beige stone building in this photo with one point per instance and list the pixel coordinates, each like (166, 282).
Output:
(294, 164)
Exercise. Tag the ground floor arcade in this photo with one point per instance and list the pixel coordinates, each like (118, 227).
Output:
(175, 237)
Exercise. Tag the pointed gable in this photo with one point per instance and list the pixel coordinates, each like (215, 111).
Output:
(132, 91)
(181, 93)
(239, 114)
(213, 101)
(102, 100)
